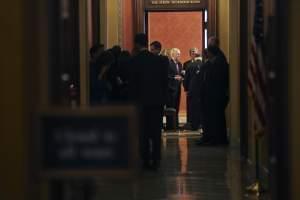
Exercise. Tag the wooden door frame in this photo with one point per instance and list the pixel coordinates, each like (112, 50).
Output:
(139, 25)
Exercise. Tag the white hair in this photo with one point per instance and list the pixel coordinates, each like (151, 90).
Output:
(174, 51)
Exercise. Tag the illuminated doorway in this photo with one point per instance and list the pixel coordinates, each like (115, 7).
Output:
(178, 29)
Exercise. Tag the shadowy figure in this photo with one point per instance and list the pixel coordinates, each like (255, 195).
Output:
(100, 86)
(147, 88)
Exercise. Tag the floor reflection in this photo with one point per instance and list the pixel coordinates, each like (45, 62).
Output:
(183, 154)
(182, 190)
(164, 143)
(188, 172)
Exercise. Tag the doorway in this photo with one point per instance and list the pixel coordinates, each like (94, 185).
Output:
(178, 29)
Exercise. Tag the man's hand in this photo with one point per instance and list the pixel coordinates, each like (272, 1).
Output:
(178, 78)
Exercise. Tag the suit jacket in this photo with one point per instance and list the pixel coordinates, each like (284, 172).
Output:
(215, 87)
(148, 79)
(174, 85)
(187, 64)
(191, 69)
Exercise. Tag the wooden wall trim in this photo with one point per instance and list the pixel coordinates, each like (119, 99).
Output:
(139, 21)
(212, 16)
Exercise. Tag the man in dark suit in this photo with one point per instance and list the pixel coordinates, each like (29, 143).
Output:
(190, 68)
(147, 88)
(215, 95)
(174, 87)
(155, 48)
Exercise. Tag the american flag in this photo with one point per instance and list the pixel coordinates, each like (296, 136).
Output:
(257, 82)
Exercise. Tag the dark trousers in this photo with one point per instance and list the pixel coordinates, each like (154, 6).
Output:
(196, 112)
(150, 136)
(214, 122)
(188, 108)
(173, 102)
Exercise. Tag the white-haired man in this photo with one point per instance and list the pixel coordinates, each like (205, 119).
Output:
(174, 87)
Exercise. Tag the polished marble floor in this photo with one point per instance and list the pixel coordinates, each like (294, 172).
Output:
(188, 172)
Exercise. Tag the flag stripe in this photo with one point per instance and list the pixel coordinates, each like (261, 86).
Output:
(258, 109)
(257, 82)
(259, 69)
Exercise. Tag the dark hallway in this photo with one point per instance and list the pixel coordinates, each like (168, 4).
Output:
(46, 66)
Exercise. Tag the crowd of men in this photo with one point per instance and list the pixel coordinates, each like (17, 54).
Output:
(152, 79)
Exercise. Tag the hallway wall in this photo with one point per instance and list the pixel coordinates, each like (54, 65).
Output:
(234, 60)
(12, 106)
(111, 22)
(127, 25)
(294, 95)
(228, 33)
(103, 16)
(117, 23)
(223, 25)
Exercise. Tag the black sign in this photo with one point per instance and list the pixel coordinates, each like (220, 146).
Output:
(175, 4)
(85, 142)
(166, 2)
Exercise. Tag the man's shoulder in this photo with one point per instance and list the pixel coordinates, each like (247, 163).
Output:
(206, 64)
(187, 62)
(163, 59)
(220, 60)
(142, 55)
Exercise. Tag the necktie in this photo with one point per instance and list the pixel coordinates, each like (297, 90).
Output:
(177, 67)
